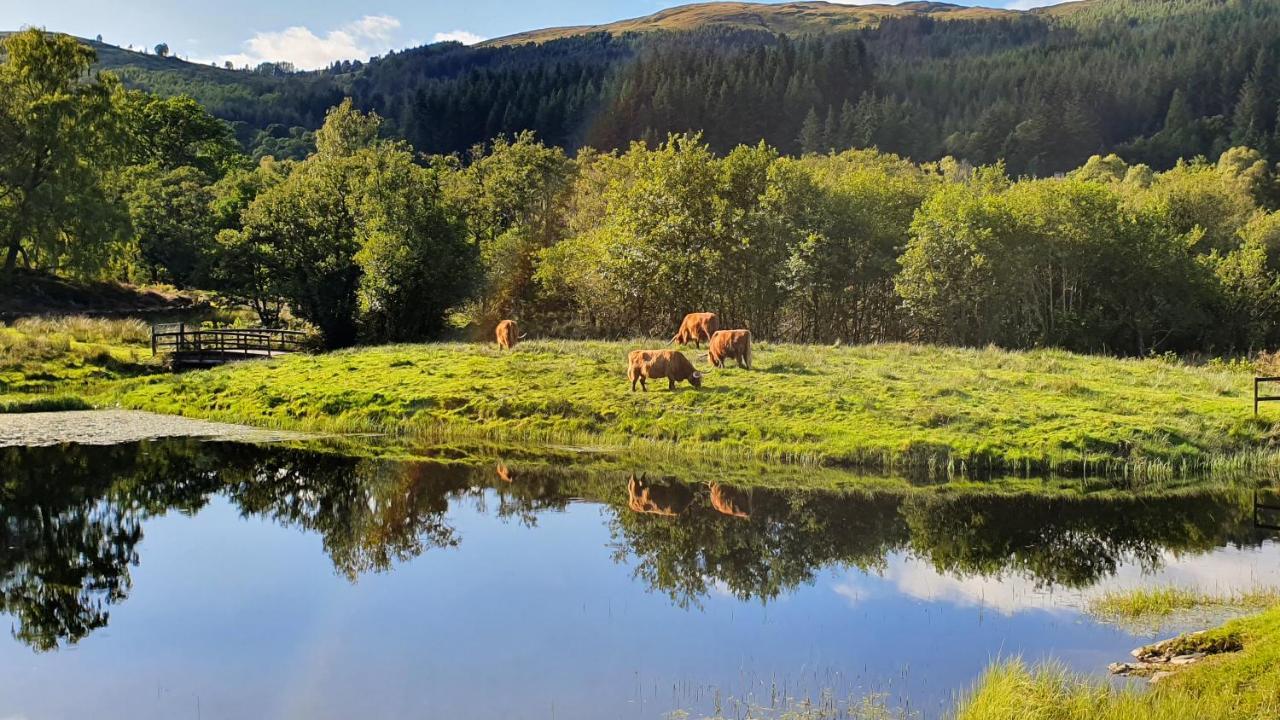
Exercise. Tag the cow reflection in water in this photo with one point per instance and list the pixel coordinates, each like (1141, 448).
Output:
(730, 501)
(667, 499)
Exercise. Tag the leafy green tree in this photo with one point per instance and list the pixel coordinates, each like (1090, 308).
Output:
(58, 140)
(356, 235)
(178, 132)
(172, 219)
(514, 194)
(414, 258)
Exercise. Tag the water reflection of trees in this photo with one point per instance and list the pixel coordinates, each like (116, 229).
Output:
(1052, 539)
(1071, 541)
(67, 540)
(72, 517)
(786, 539)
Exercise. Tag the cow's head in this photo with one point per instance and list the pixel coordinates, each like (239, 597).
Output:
(696, 379)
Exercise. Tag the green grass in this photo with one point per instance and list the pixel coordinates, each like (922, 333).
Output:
(1242, 685)
(1162, 602)
(47, 364)
(883, 407)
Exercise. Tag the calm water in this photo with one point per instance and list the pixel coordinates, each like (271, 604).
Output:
(188, 580)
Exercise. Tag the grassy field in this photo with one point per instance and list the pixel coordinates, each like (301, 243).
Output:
(1242, 685)
(49, 364)
(886, 407)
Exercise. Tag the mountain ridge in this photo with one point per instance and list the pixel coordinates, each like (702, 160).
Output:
(808, 16)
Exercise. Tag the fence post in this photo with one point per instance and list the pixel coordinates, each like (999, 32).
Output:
(1255, 396)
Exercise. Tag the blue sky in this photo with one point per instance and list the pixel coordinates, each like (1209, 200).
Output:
(312, 33)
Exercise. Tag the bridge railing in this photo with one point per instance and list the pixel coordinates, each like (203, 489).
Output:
(180, 340)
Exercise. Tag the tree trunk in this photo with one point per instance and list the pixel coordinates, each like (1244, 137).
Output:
(11, 257)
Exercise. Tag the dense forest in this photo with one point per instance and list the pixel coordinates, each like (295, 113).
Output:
(368, 240)
(1150, 80)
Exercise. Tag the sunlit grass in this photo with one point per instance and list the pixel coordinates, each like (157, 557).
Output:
(1161, 602)
(1243, 685)
(891, 407)
(63, 356)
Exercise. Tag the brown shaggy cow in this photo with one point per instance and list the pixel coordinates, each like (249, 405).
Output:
(507, 337)
(730, 501)
(696, 328)
(505, 473)
(727, 344)
(668, 499)
(655, 364)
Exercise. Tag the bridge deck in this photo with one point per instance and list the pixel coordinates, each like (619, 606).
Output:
(188, 347)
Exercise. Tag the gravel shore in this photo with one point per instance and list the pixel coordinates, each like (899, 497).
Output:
(109, 427)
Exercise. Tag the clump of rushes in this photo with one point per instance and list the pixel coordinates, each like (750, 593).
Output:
(1243, 684)
(1162, 602)
(890, 407)
(46, 363)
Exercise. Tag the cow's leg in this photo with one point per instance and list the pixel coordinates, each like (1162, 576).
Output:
(633, 382)
(671, 383)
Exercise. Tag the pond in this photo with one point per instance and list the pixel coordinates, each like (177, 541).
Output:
(222, 580)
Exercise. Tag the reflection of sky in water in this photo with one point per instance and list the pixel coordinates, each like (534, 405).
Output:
(235, 617)
(1225, 571)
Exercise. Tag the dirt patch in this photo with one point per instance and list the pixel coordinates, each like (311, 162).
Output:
(27, 293)
(109, 427)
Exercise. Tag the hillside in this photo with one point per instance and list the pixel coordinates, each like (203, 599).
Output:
(788, 18)
(1041, 90)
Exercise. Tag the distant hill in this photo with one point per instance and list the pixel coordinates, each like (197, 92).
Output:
(1154, 80)
(787, 18)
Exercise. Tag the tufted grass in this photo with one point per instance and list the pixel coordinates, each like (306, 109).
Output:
(1161, 602)
(886, 407)
(1242, 685)
(47, 363)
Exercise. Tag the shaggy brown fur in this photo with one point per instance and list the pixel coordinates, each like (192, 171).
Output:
(655, 364)
(731, 344)
(696, 328)
(507, 333)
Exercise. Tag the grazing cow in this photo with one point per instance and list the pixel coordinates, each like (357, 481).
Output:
(667, 499)
(656, 364)
(507, 337)
(730, 501)
(726, 344)
(696, 328)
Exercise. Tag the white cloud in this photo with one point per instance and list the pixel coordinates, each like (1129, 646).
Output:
(359, 40)
(1222, 571)
(462, 36)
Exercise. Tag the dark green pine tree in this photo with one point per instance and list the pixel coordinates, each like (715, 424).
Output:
(810, 139)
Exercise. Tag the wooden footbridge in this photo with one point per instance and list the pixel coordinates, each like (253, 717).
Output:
(189, 346)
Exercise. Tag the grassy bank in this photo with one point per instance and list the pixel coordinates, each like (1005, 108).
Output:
(882, 406)
(51, 363)
(1242, 685)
